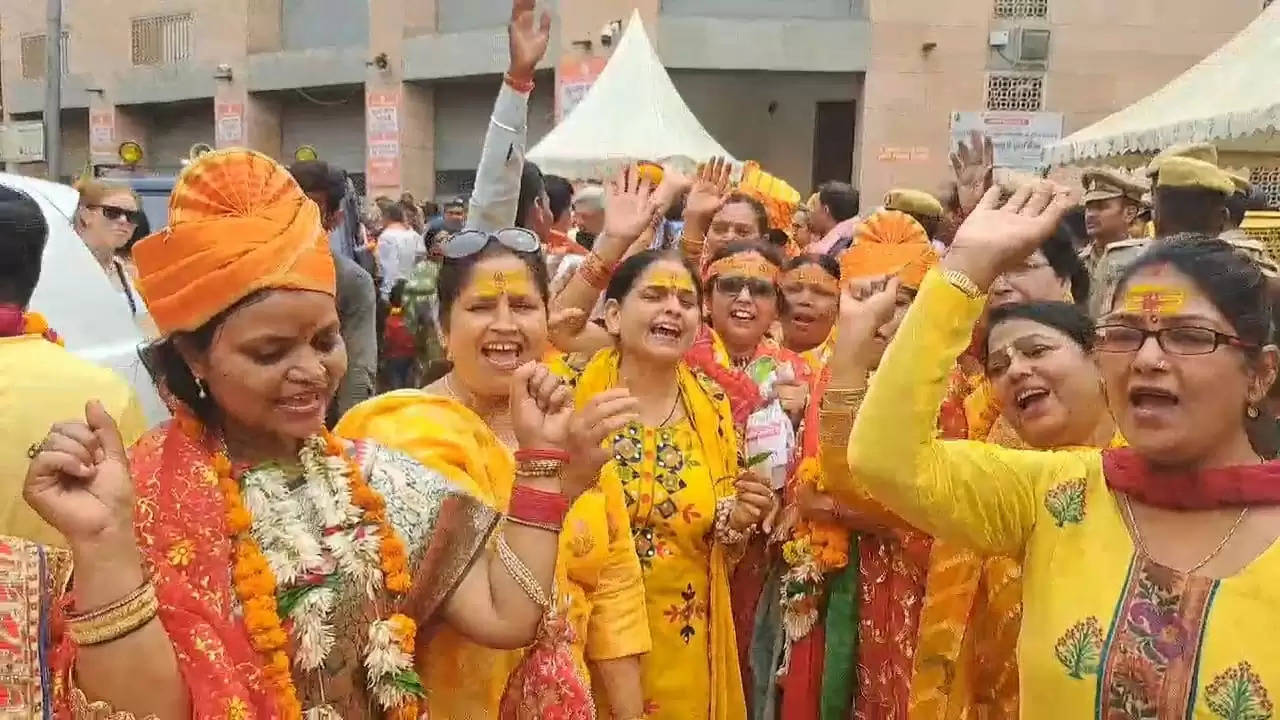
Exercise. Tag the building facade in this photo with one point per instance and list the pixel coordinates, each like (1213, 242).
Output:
(399, 91)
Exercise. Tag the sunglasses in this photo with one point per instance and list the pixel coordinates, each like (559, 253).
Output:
(758, 288)
(469, 242)
(111, 212)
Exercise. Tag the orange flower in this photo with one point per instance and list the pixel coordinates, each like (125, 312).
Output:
(406, 711)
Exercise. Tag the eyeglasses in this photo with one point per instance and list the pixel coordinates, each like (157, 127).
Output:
(469, 242)
(758, 288)
(111, 212)
(1175, 340)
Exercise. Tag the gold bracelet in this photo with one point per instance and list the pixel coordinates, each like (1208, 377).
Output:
(113, 606)
(834, 428)
(117, 622)
(521, 573)
(540, 468)
(842, 399)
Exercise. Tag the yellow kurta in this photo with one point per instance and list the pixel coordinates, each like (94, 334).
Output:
(1106, 631)
(597, 568)
(672, 478)
(42, 383)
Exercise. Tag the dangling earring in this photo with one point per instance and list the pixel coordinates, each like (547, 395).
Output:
(1252, 412)
(202, 390)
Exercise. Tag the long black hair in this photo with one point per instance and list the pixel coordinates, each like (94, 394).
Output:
(1067, 318)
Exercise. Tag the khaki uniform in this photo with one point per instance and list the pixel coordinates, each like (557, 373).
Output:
(1104, 274)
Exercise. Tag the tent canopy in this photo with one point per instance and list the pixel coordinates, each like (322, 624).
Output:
(1231, 99)
(632, 113)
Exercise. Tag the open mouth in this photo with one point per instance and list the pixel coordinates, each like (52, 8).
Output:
(1031, 398)
(742, 315)
(1152, 399)
(305, 403)
(502, 355)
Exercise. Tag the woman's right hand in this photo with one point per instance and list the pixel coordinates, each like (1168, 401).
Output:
(866, 305)
(996, 235)
(541, 406)
(710, 187)
(79, 482)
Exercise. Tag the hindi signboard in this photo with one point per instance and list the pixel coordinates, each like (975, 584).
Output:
(229, 124)
(574, 79)
(1019, 138)
(382, 139)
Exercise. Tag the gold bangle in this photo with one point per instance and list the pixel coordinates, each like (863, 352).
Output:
(113, 606)
(521, 573)
(540, 468)
(963, 283)
(834, 428)
(841, 399)
(116, 622)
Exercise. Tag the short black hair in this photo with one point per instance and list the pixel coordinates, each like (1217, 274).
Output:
(1182, 210)
(430, 208)
(1060, 250)
(532, 186)
(560, 194)
(318, 176)
(396, 297)
(1068, 319)
(456, 204)
(625, 276)
(840, 198)
(24, 232)
(392, 212)
(1229, 279)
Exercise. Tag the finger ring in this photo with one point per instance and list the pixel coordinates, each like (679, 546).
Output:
(34, 450)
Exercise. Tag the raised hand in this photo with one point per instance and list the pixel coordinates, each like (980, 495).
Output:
(527, 38)
(866, 305)
(996, 236)
(629, 205)
(710, 186)
(973, 165)
(79, 481)
(541, 405)
(602, 416)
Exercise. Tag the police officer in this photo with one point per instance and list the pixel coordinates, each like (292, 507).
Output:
(1112, 203)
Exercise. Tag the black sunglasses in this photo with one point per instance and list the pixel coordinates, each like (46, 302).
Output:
(111, 212)
(733, 285)
(469, 242)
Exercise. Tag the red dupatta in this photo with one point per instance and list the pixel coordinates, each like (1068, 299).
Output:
(181, 529)
(1128, 472)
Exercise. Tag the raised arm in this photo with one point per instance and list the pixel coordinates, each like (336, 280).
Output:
(706, 196)
(496, 195)
(975, 494)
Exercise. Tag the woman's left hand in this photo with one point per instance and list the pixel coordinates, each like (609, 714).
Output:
(541, 407)
(602, 416)
(793, 396)
(753, 503)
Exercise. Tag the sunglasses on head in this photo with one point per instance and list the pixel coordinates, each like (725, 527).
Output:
(469, 242)
(111, 212)
(733, 285)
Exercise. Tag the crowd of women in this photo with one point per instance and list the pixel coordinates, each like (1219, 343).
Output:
(717, 478)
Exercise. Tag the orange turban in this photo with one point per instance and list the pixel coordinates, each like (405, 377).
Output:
(238, 223)
(779, 199)
(889, 242)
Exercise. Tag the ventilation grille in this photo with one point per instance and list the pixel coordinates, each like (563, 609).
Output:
(1023, 93)
(1023, 8)
(34, 49)
(161, 39)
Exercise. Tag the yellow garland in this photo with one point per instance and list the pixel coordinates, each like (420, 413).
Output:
(256, 585)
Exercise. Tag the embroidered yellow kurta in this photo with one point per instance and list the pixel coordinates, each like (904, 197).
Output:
(1106, 632)
(671, 478)
(597, 568)
(42, 383)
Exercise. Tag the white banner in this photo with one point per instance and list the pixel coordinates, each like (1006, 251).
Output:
(1019, 138)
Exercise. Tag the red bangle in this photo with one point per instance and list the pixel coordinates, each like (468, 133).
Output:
(520, 86)
(538, 507)
(542, 454)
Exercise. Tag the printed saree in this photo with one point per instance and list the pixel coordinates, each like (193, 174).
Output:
(181, 529)
(32, 579)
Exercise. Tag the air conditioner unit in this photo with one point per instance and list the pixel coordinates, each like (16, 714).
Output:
(1030, 45)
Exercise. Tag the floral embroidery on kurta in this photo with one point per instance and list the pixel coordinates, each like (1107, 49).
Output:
(1152, 659)
(1080, 648)
(1238, 694)
(1066, 502)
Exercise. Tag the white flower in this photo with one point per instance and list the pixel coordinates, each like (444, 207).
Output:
(311, 628)
(321, 712)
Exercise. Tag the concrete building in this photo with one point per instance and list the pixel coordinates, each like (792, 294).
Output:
(400, 90)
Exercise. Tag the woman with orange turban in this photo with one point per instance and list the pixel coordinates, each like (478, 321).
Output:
(271, 570)
(870, 565)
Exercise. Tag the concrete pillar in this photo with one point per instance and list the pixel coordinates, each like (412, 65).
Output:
(242, 119)
(110, 125)
(399, 116)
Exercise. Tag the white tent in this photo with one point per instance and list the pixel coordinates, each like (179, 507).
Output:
(632, 113)
(1231, 99)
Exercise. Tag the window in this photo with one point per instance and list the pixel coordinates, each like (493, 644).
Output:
(1024, 93)
(34, 49)
(1022, 8)
(161, 39)
(1267, 181)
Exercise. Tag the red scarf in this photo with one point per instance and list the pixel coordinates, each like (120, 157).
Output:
(15, 321)
(1130, 473)
(559, 243)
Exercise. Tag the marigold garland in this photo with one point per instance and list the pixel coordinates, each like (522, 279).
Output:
(33, 323)
(828, 542)
(815, 549)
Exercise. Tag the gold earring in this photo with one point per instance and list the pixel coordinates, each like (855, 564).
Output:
(1252, 412)
(202, 390)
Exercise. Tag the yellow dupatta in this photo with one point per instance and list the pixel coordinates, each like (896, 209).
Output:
(712, 420)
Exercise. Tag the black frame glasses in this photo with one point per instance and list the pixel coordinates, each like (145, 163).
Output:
(469, 242)
(732, 286)
(113, 212)
(1186, 341)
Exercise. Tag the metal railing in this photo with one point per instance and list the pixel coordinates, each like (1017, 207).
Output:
(161, 39)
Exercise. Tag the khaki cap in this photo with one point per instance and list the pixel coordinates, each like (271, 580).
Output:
(1204, 152)
(1107, 183)
(1243, 186)
(913, 202)
(1188, 172)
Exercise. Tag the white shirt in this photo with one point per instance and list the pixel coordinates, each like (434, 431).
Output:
(398, 251)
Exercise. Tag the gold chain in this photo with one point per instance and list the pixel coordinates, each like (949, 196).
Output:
(1142, 545)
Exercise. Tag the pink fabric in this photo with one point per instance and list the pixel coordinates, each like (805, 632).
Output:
(841, 230)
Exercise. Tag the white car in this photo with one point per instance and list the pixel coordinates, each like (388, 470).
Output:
(79, 302)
